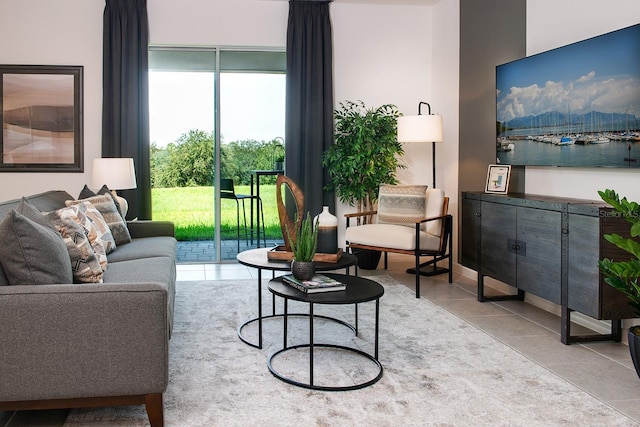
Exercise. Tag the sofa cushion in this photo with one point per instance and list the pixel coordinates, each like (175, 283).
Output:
(38, 254)
(401, 204)
(145, 248)
(84, 262)
(44, 202)
(161, 270)
(111, 214)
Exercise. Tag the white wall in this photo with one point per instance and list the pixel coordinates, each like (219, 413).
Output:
(382, 54)
(61, 32)
(555, 23)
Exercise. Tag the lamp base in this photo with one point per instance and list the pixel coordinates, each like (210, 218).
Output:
(124, 205)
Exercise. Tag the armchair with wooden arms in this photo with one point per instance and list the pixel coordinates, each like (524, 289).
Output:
(410, 220)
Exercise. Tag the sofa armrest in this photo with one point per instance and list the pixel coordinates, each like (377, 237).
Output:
(148, 228)
(83, 340)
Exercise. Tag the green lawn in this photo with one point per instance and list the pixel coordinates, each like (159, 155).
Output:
(191, 210)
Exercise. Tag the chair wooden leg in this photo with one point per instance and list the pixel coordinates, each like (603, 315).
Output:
(155, 410)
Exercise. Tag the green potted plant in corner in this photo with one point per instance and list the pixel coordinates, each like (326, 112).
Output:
(624, 275)
(364, 155)
(304, 248)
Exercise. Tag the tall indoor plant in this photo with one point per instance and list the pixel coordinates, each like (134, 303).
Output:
(624, 275)
(365, 154)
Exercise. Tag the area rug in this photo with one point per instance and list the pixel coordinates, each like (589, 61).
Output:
(438, 370)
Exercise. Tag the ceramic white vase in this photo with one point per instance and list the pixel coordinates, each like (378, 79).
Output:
(327, 232)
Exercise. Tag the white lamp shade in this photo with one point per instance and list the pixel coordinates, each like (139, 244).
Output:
(420, 128)
(115, 173)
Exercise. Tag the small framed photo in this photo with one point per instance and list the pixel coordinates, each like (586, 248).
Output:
(498, 179)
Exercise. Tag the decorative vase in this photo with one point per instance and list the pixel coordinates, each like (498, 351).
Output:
(327, 232)
(302, 270)
(634, 346)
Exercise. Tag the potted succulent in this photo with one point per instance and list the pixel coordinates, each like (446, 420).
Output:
(364, 155)
(303, 247)
(625, 275)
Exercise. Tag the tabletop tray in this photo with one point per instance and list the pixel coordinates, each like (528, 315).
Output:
(279, 253)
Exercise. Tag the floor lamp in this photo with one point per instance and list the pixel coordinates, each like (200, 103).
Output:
(422, 128)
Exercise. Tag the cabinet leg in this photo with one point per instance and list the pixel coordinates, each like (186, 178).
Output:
(482, 297)
(565, 330)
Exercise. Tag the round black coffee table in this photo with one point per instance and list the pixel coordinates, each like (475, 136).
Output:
(359, 290)
(257, 258)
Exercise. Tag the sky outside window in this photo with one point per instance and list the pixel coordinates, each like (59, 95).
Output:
(252, 105)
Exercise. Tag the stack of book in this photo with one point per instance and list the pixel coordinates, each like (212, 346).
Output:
(318, 283)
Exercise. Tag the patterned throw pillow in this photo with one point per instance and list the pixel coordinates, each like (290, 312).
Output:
(84, 262)
(97, 231)
(401, 204)
(105, 205)
(86, 192)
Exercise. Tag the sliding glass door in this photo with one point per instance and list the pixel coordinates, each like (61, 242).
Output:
(215, 113)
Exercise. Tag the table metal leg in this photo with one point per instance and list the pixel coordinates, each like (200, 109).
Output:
(311, 344)
(260, 308)
(377, 327)
(286, 320)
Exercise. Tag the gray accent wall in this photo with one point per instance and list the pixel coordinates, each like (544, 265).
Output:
(492, 32)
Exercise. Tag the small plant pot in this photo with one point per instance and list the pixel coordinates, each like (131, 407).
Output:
(303, 270)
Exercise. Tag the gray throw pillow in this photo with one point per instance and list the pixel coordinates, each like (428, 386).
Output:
(86, 192)
(33, 213)
(32, 254)
(105, 205)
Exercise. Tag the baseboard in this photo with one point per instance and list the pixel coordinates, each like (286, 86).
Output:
(599, 326)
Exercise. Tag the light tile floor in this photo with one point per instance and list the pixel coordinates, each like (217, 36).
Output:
(602, 369)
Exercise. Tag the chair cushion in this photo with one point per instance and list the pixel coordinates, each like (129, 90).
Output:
(435, 201)
(391, 236)
(401, 204)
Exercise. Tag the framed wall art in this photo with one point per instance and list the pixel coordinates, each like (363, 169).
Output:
(498, 179)
(41, 116)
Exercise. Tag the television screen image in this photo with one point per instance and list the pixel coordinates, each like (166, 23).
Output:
(577, 105)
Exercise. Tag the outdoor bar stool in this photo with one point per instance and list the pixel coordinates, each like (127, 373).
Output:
(227, 191)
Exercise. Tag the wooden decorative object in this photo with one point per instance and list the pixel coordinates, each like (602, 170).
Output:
(280, 253)
(286, 223)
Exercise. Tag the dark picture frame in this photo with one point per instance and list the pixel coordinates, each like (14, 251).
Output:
(41, 112)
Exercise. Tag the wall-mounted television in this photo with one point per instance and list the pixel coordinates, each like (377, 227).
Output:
(577, 105)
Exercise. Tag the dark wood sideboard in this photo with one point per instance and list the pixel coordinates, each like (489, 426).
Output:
(549, 247)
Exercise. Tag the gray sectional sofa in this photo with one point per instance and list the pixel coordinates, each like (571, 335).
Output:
(70, 345)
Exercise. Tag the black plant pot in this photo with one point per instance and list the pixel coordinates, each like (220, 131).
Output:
(303, 270)
(367, 259)
(634, 346)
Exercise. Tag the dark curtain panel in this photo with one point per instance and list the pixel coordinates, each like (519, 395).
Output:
(309, 100)
(125, 87)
